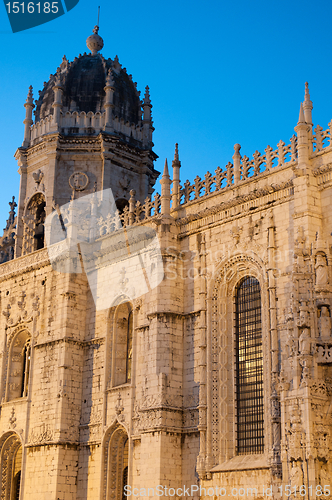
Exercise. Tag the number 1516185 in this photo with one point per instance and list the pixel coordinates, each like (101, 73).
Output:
(32, 7)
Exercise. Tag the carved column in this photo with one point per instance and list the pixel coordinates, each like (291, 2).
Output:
(275, 403)
(202, 363)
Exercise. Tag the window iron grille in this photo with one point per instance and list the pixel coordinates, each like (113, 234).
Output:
(249, 369)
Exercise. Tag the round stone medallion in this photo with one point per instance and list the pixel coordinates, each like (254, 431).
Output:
(78, 181)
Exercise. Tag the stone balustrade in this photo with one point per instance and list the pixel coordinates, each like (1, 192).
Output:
(72, 123)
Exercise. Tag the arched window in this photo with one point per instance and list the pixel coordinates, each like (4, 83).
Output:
(249, 368)
(129, 346)
(122, 345)
(34, 219)
(18, 366)
(11, 465)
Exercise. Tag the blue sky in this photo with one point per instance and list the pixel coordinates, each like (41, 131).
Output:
(219, 73)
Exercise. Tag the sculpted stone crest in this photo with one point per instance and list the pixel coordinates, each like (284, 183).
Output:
(78, 181)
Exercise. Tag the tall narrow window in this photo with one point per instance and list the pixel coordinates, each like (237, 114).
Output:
(249, 368)
(122, 345)
(26, 369)
(129, 346)
(18, 370)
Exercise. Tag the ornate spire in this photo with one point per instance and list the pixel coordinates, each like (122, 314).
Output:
(165, 191)
(109, 78)
(30, 96)
(176, 164)
(147, 100)
(109, 91)
(307, 105)
(11, 218)
(301, 116)
(147, 119)
(57, 103)
(176, 152)
(166, 173)
(28, 118)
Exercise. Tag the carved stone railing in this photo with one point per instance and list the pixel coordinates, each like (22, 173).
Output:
(224, 178)
(322, 138)
(85, 123)
(137, 212)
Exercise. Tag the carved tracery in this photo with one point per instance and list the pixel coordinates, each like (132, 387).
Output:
(232, 273)
(18, 366)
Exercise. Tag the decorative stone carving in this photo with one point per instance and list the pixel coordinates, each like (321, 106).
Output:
(325, 477)
(296, 476)
(78, 181)
(294, 433)
(322, 274)
(12, 419)
(41, 435)
(324, 323)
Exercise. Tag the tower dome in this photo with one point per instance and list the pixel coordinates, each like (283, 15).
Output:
(100, 87)
(83, 83)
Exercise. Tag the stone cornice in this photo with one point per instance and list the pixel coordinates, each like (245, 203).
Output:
(35, 260)
(95, 343)
(255, 200)
(322, 169)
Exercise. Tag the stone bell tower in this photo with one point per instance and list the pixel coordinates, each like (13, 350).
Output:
(91, 132)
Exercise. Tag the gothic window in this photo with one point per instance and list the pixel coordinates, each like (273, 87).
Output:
(11, 465)
(19, 357)
(116, 463)
(122, 345)
(249, 368)
(129, 346)
(34, 219)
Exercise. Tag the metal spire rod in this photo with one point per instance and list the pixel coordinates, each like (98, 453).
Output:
(98, 15)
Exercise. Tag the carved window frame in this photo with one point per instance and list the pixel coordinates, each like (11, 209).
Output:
(120, 344)
(18, 365)
(115, 461)
(10, 443)
(255, 338)
(223, 356)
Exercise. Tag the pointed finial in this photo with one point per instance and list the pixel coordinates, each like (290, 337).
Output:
(30, 95)
(147, 95)
(307, 105)
(165, 198)
(306, 92)
(166, 173)
(176, 152)
(11, 218)
(301, 116)
(109, 78)
(57, 78)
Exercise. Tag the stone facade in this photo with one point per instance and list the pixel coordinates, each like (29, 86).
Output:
(146, 393)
